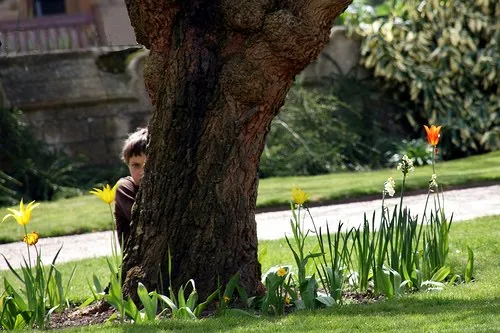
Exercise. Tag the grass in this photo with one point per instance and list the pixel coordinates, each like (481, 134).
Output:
(349, 185)
(469, 307)
(88, 214)
(62, 217)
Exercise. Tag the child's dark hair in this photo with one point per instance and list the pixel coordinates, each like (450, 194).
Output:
(135, 145)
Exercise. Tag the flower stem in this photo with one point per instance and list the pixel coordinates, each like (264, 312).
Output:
(27, 245)
(112, 218)
(383, 209)
(433, 159)
(402, 193)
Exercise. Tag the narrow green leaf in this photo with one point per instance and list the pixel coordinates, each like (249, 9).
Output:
(470, 266)
(149, 307)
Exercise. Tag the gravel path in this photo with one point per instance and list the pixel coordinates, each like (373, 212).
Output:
(464, 204)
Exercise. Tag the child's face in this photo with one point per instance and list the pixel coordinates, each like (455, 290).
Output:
(136, 167)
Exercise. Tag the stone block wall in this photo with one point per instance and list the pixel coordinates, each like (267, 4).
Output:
(73, 105)
(340, 57)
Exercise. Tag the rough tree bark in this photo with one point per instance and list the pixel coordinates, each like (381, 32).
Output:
(217, 74)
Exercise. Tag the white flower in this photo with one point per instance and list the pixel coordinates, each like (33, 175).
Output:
(389, 186)
(406, 165)
(433, 183)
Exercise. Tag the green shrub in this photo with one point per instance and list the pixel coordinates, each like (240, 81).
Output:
(29, 168)
(337, 124)
(417, 150)
(443, 56)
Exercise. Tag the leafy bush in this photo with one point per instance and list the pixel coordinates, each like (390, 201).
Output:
(340, 123)
(40, 172)
(29, 168)
(417, 150)
(443, 56)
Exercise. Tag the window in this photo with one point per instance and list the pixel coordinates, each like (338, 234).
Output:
(49, 7)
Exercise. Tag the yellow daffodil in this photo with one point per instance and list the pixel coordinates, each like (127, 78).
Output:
(299, 196)
(31, 238)
(107, 194)
(433, 134)
(23, 215)
(281, 272)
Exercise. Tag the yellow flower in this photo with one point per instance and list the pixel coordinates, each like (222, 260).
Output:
(107, 194)
(433, 134)
(299, 196)
(31, 239)
(226, 299)
(287, 300)
(22, 215)
(281, 272)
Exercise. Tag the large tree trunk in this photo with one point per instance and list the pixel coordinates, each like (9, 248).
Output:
(217, 74)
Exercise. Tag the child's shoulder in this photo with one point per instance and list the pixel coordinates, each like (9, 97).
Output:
(126, 182)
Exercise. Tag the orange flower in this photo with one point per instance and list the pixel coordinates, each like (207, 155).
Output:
(433, 134)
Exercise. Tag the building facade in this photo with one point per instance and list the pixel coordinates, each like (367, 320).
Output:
(46, 25)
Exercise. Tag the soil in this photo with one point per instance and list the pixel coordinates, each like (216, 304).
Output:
(91, 315)
(100, 313)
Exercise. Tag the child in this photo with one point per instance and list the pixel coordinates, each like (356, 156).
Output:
(134, 156)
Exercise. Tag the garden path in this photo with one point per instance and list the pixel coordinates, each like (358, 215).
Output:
(464, 204)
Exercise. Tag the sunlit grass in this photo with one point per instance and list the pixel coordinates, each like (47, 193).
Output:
(348, 185)
(88, 214)
(469, 307)
(77, 215)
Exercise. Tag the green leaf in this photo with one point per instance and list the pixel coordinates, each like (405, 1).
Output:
(97, 284)
(441, 274)
(199, 309)
(470, 266)
(147, 302)
(169, 302)
(327, 301)
(131, 310)
(185, 313)
(193, 296)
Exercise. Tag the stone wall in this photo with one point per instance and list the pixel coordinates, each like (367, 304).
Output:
(76, 105)
(72, 104)
(340, 57)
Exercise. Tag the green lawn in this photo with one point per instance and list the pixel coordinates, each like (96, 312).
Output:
(348, 185)
(88, 214)
(472, 307)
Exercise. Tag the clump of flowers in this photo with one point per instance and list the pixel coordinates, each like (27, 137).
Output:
(41, 290)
